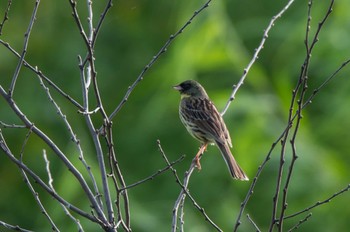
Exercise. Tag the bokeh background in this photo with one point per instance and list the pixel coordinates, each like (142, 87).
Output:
(214, 50)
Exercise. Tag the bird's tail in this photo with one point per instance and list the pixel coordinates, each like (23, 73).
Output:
(235, 170)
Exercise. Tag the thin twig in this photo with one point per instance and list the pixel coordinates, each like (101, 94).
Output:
(88, 120)
(155, 58)
(256, 55)
(50, 182)
(151, 177)
(39, 73)
(303, 80)
(321, 24)
(253, 223)
(99, 24)
(300, 222)
(25, 46)
(307, 102)
(60, 155)
(268, 156)
(330, 78)
(11, 227)
(180, 201)
(90, 20)
(327, 200)
(90, 67)
(182, 214)
(184, 191)
(78, 22)
(6, 17)
(96, 31)
(31, 188)
(38, 180)
(92, 72)
(236, 87)
(91, 75)
(6, 125)
(116, 172)
(74, 137)
(255, 180)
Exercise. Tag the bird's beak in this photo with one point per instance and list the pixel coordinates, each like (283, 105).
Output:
(177, 87)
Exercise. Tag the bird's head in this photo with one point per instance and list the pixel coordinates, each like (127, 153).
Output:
(191, 88)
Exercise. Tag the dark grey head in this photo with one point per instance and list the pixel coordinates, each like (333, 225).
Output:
(191, 88)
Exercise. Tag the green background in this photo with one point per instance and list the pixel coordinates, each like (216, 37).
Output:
(214, 49)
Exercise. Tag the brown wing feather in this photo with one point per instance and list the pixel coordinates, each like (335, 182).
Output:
(202, 113)
(205, 123)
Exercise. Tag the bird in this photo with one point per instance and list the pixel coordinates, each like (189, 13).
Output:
(203, 121)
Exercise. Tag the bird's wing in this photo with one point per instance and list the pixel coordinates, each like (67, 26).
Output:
(203, 113)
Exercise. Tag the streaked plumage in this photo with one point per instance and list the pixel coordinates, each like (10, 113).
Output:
(203, 121)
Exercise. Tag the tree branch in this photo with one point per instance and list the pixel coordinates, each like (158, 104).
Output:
(256, 54)
(31, 188)
(155, 58)
(11, 227)
(151, 177)
(327, 200)
(300, 222)
(37, 179)
(39, 73)
(184, 192)
(57, 151)
(25, 46)
(9, 2)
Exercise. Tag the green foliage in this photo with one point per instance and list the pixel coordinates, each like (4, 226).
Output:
(214, 50)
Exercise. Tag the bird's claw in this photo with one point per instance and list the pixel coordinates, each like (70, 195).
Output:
(198, 164)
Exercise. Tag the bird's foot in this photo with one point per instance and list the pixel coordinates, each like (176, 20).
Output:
(202, 149)
(198, 164)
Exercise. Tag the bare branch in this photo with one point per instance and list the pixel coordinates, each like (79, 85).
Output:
(74, 137)
(116, 172)
(90, 67)
(31, 188)
(99, 24)
(303, 80)
(11, 227)
(255, 180)
(78, 22)
(90, 20)
(284, 134)
(92, 76)
(184, 192)
(39, 73)
(22, 166)
(25, 46)
(330, 78)
(256, 54)
(151, 177)
(321, 24)
(268, 156)
(155, 58)
(50, 182)
(6, 125)
(300, 222)
(253, 223)
(57, 151)
(101, 201)
(9, 2)
(319, 202)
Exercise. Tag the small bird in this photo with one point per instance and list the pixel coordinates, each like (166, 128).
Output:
(203, 121)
